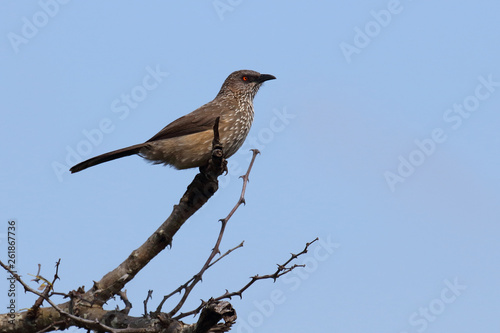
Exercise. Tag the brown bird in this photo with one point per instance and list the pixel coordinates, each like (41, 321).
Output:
(187, 142)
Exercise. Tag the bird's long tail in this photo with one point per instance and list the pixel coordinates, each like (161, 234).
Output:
(112, 155)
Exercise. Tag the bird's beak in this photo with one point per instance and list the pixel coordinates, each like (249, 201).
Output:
(265, 77)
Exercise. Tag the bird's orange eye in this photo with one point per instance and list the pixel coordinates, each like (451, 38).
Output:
(245, 78)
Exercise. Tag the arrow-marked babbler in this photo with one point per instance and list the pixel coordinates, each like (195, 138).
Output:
(187, 142)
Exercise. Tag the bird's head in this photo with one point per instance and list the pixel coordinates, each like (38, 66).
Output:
(244, 83)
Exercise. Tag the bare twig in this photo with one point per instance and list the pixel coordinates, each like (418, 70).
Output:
(36, 279)
(295, 256)
(245, 178)
(227, 253)
(46, 292)
(56, 274)
(148, 297)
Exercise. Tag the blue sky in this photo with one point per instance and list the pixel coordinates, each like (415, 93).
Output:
(379, 136)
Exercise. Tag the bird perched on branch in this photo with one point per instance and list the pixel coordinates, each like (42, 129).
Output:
(187, 142)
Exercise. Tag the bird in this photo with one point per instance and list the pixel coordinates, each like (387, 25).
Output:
(187, 141)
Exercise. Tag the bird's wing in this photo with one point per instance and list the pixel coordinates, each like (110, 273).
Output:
(199, 120)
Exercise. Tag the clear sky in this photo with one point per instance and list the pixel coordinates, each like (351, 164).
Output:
(380, 136)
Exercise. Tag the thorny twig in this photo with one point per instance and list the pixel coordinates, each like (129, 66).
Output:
(227, 253)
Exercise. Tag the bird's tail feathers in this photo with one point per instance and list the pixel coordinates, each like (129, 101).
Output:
(112, 155)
